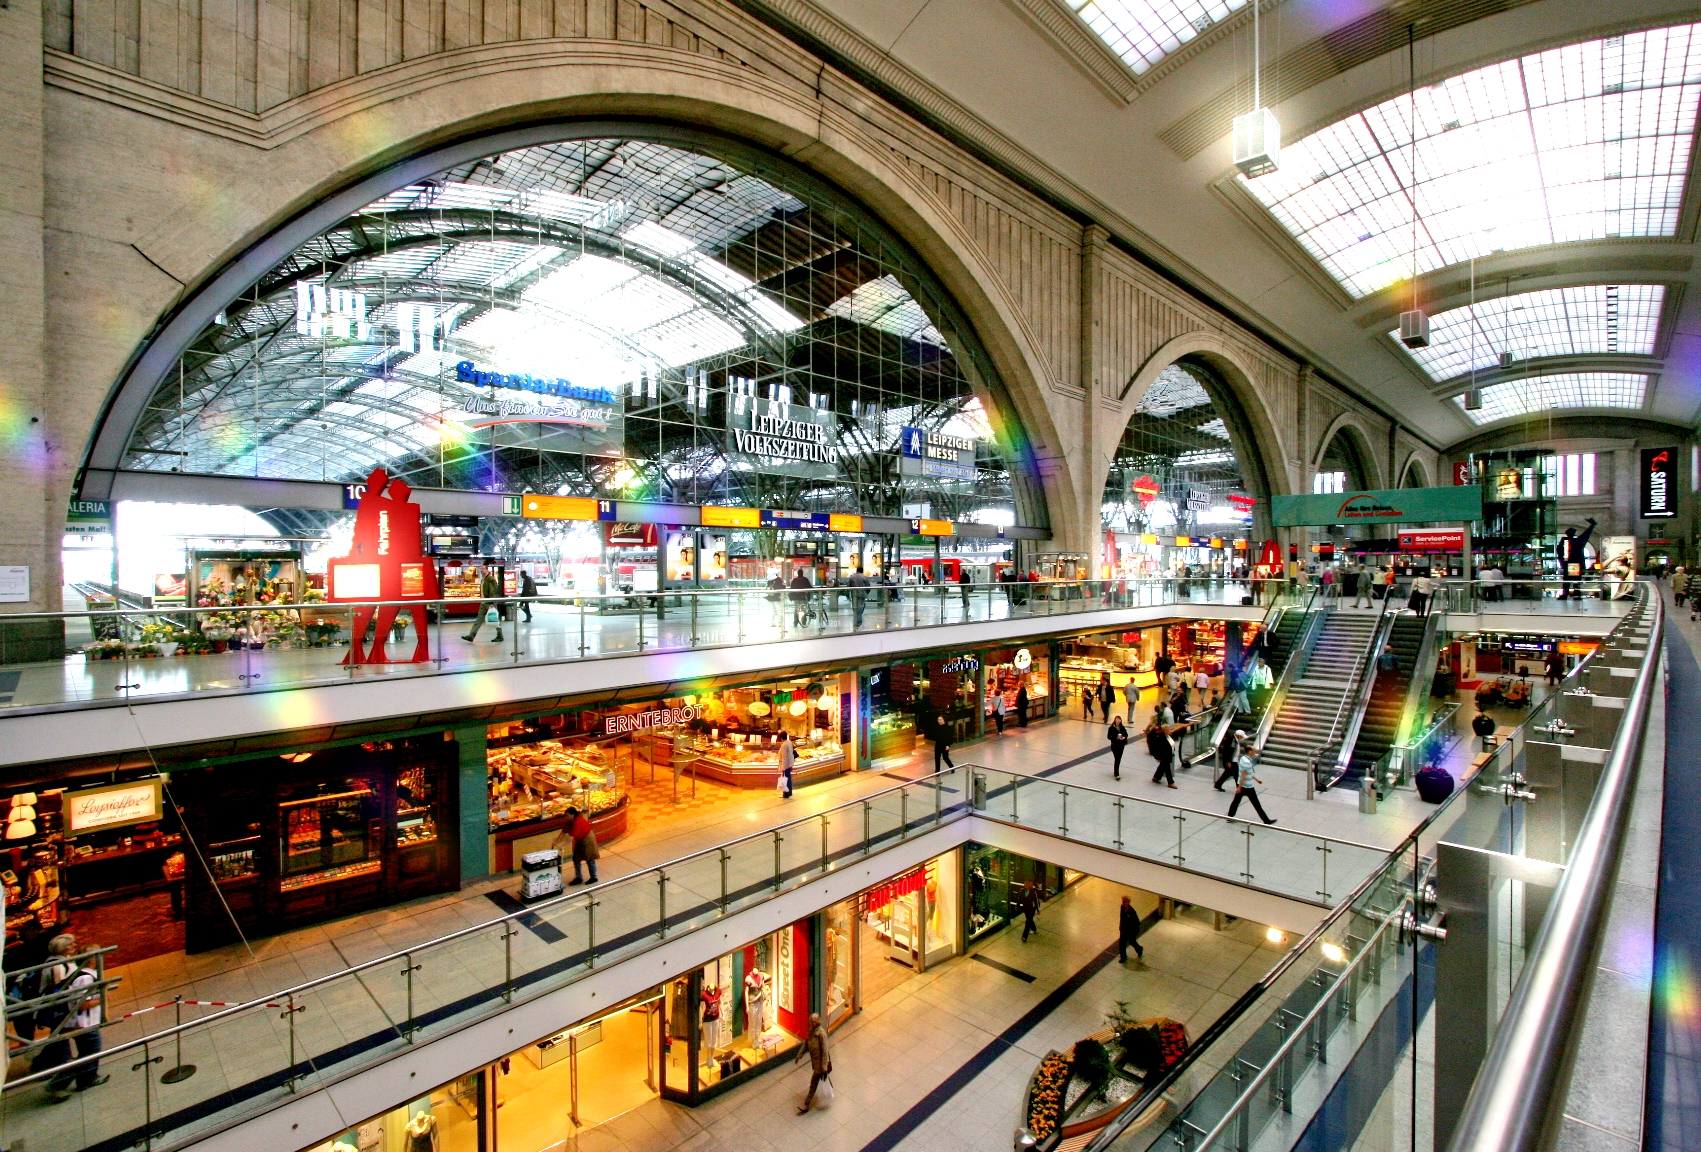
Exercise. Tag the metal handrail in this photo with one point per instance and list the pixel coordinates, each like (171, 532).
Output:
(1358, 691)
(1516, 1087)
(1315, 609)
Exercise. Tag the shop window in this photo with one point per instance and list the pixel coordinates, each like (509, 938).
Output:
(532, 783)
(446, 1120)
(839, 959)
(1019, 674)
(736, 1015)
(1570, 475)
(915, 916)
(334, 835)
(580, 1076)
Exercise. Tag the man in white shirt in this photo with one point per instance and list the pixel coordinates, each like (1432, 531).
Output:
(1202, 684)
(81, 1014)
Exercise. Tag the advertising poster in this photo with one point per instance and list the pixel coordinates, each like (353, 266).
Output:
(713, 565)
(680, 557)
(170, 588)
(1618, 561)
(1659, 483)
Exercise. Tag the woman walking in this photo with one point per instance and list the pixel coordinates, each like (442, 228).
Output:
(1117, 734)
(1107, 694)
(788, 758)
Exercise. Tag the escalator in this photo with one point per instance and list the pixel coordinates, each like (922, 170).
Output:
(1386, 706)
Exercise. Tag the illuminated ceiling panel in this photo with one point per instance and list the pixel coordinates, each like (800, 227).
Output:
(1578, 143)
(1592, 319)
(1561, 390)
(1143, 32)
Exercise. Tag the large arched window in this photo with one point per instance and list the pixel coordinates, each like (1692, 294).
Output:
(1176, 466)
(607, 317)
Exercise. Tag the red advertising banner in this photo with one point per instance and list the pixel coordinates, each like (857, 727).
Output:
(1462, 473)
(1433, 540)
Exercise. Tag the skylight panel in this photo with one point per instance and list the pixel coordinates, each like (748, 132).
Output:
(1143, 32)
(1175, 390)
(1560, 390)
(884, 304)
(1592, 319)
(1579, 143)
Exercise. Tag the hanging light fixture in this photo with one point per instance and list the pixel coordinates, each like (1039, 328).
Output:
(1257, 136)
(1473, 397)
(1414, 324)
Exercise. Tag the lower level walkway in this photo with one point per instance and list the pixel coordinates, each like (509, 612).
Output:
(940, 1062)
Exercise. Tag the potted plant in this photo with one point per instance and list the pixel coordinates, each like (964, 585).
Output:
(109, 649)
(217, 636)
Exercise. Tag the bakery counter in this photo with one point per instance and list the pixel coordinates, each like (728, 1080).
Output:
(762, 769)
(531, 827)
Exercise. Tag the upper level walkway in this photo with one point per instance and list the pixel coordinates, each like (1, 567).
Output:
(282, 667)
(325, 1010)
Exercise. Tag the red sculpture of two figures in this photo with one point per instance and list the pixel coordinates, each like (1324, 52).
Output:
(386, 562)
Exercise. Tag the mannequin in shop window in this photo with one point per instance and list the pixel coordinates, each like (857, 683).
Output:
(711, 1021)
(421, 1133)
(756, 1003)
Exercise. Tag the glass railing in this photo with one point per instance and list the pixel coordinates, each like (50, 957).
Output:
(245, 1058)
(1261, 1074)
(1396, 766)
(134, 654)
(1295, 865)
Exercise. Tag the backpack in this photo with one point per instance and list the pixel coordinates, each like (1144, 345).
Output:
(53, 1016)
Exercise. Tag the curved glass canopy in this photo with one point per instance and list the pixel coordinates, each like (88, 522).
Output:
(1591, 319)
(1578, 143)
(1559, 390)
(612, 317)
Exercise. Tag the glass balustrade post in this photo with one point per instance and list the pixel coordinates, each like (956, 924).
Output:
(640, 614)
(938, 800)
(738, 611)
(1118, 806)
(1180, 835)
(1325, 850)
(903, 813)
(148, 1058)
(866, 810)
(1247, 832)
(661, 904)
(408, 969)
(514, 614)
(693, 597)
(591, 933)
(1015, 811)
(508, 934)
(1064, 826)
(291, 1009)
(777, 840)
(825, 858)
(725, 896)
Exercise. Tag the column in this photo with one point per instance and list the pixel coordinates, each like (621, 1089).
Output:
(475, 803)
(1089, 514)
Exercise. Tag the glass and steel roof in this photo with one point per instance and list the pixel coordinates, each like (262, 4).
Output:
(590, 317)
(1559, 390)
(1178, 438)
(1582, 142)
(1143, 32)
(1591, 319)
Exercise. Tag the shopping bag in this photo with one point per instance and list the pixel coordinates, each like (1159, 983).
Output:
(825, 1092)
(492, 616)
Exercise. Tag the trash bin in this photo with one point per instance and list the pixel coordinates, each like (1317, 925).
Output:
(1367, 796)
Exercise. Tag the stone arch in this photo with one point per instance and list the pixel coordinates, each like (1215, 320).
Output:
(1252, 429)
(1356, 444)
(1415, 474)
(390, 135)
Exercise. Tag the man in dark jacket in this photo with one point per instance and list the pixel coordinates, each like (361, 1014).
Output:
(490, 600)
(528, 588)
(802, 589)
(1158, 744)
(859, 596)
(1128, 926)
(1028, 902)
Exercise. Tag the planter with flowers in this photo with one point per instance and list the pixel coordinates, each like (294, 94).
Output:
(110, 649)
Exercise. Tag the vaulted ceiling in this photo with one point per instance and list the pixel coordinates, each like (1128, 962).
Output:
(1556, 208)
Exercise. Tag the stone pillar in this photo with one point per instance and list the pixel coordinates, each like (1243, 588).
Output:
(475, 803)
(1089, 514)
(31, 528)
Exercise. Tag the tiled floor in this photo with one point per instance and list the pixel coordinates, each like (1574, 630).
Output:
(904, 1045)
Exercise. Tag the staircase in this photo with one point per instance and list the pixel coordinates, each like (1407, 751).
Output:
(1314, 700)
(1387, 705)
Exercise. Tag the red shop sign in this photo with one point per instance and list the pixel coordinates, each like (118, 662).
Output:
(1433, 540)
(1146, 490)
(886, 893)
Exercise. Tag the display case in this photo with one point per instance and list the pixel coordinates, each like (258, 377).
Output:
(532, 786)
(233, 860)
(891, 734)
(330, 836)
(753, 760)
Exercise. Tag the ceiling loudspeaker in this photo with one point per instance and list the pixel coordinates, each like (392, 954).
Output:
(1257, 142)
(1473, 400)
(1414, 328)
(1506, 359)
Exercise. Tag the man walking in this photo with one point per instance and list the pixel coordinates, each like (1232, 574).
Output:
(820, 1064)
(1362, 586)
(859, 597)
(78, 1014)
(1158, 744)
(1128, 931)
(1228, 758)
(801, 591)
(1131, 694)
(941, 745)
(1246, 787)
(963, 582)
(489, 597)
(1029, 903)
(528, 589)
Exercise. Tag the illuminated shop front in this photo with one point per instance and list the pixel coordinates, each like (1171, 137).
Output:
(446, 1120)
(1017, 674)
